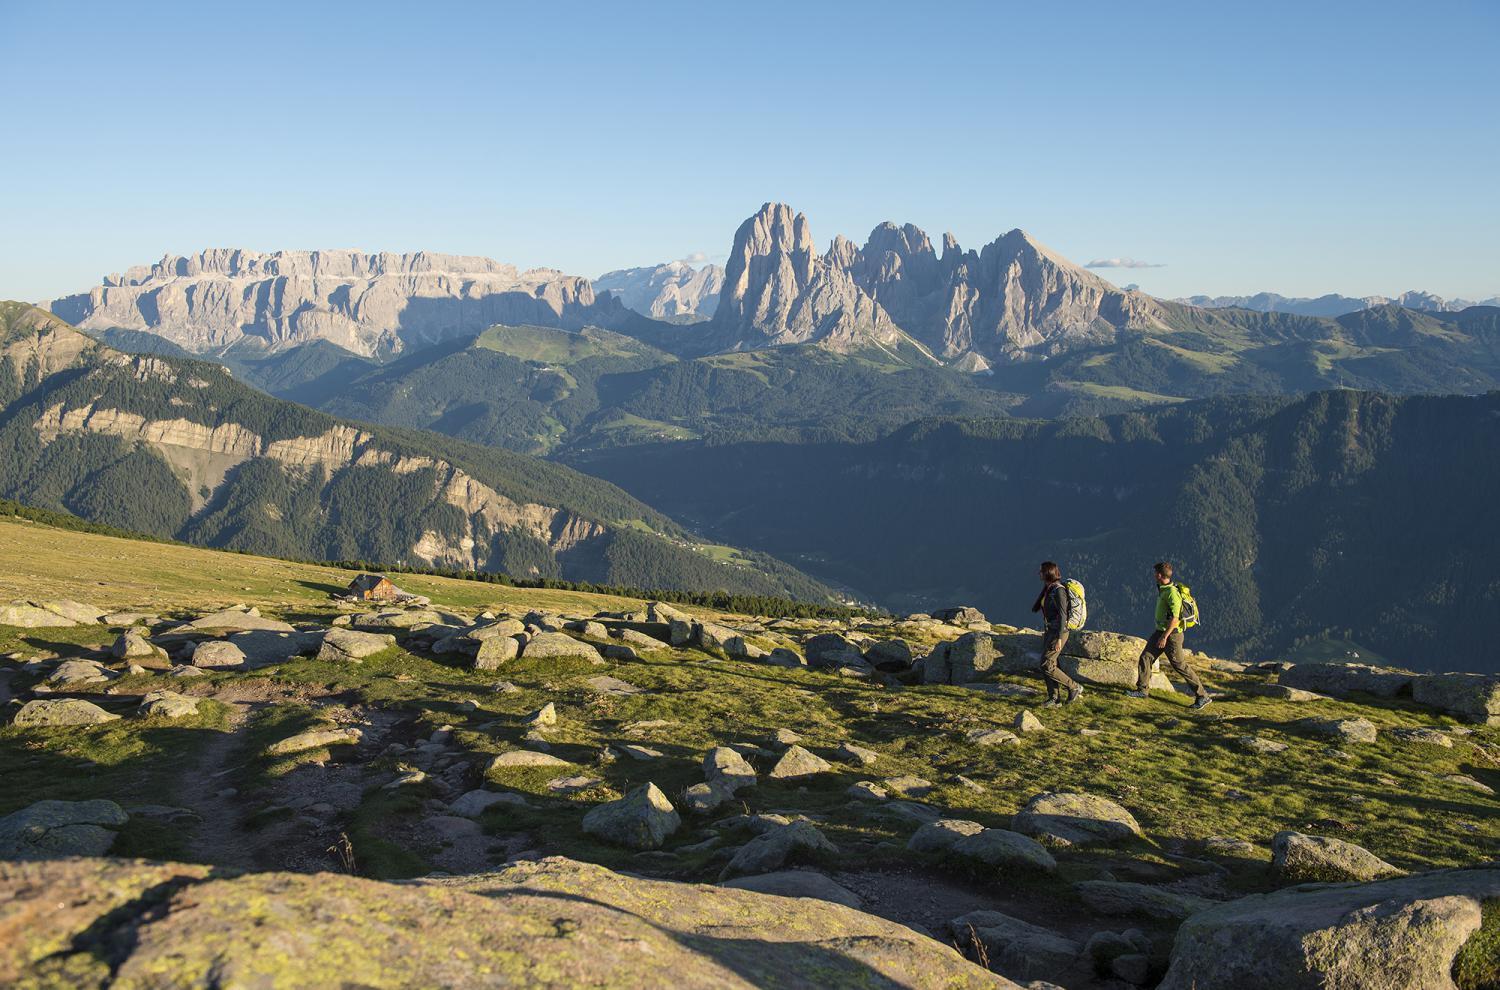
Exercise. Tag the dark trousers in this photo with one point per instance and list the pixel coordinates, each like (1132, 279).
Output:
(1057, 681)
(1173, 652)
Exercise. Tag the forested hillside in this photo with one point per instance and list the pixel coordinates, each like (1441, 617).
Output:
(1345, 514)
(178, 448)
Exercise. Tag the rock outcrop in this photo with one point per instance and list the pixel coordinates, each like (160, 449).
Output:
(550, 922)
(372, 304)
(1402, 933)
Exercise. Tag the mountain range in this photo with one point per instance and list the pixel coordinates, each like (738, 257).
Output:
(1334, 304)
(672, 290)
(177, 448)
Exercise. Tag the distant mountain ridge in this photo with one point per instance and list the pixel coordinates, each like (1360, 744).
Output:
(370, 304)
(1334, 304)
(665, 291)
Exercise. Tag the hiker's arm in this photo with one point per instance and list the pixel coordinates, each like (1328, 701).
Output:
(1038, 606)
(1176, 609)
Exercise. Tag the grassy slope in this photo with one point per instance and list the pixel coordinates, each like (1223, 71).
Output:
(1183, 776)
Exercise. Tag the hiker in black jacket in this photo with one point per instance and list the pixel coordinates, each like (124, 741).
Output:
(1053, 604)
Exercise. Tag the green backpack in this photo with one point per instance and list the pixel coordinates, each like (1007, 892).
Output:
(1188, 618)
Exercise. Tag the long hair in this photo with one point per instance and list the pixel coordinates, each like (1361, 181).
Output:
(1051, 571)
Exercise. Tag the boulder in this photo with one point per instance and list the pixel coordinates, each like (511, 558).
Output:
(1260, 746)
(1324, 859)
(63, 711)
(641, 819)
(961, 615)
(727, 769)
(868, 790)
(263, 647)
(83, 615)
(216, 654)
(352, 646)
(549, 922)
(131, 645)
(493, 651)
(1423, 736)
(1343, 730)
(314, 739)
(556, 644)
(858, 755)
(233, 620)
(28, 616)
(1004, 849)
(51, 829)
(939, 836)
(1472, 697)
(782, 656)
(889, 655)
(472, 804)
(775, 848)
(711, 636)
(1343, 679)
(526, 758)
(992, 737)
(639, 640)
(74, 672)
(704, 797)
(1075, 819)
(797, 883)
(1400, 934)
(1117, 898)
(826, 651)
(797, 762)
(1017, 949)
(970, 656)
(167, 704)
(1027, 722)
(1109, 647)
(543, 716)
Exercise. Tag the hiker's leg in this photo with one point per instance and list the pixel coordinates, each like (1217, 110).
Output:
(1057, 680)
(1143, 666)
(1174, 657)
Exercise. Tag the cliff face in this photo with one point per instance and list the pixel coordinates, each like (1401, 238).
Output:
(371, 304)
(1013, 300)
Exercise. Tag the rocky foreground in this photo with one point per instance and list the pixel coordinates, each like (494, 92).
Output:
(655, 795)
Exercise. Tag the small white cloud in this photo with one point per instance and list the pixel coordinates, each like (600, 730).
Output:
(1122, 263)
(696, 258)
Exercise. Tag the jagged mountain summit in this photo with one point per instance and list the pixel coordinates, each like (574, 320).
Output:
(674, 289)
(1013, 300)
(1334, 304)
(371, 304)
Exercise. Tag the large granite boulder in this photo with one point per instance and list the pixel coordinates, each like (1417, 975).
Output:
(1005, 850)
(1075, 819)
(1472, 697)
(1323, 858)
(777, 847)
(61, 711)
(550, 922)
(1400, 934)
(352, 646)
(1018, 949)
(1344, 679)
(217, 654)
(49, 829)
(29, 616)
(641, 819)
(556, 644)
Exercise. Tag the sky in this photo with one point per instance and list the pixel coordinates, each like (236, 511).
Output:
(1301, 148)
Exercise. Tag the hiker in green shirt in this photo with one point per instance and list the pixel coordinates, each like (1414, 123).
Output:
(1167, 640)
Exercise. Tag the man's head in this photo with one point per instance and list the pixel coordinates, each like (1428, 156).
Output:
(1163, 572)
(1050, 572)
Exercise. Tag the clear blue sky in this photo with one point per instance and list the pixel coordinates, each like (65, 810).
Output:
(1299, 147)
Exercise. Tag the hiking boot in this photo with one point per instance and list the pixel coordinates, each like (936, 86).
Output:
(1052, 703)
(1138, 693)
(1202, 703)
(1074, 693)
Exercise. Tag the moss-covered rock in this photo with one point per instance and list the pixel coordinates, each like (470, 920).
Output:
(552, 922)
